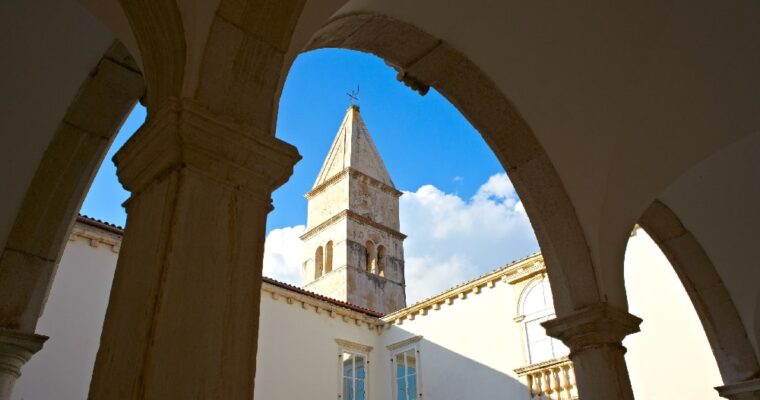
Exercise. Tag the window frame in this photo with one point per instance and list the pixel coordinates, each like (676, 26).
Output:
(403, 347)
(356, 349)
(546, 314)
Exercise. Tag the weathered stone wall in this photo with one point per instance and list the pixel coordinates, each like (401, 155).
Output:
(374, 201)
(374, 292)
(328, 202)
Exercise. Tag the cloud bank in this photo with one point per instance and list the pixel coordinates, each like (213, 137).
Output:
(450, 239)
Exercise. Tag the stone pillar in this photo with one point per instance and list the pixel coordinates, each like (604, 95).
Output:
(182, 321)
(16, 348)
(595, 338)
(747, 390)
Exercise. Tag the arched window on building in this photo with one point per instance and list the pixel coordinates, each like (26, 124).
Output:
(370, 255)
(537, 306)
(318, 260)
(328, 256)
(381, 260)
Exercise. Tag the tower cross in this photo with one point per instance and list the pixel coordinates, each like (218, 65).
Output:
(353, 96)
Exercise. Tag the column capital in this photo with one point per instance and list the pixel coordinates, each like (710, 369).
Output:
(746, 390)
(16, 348)
(593, 326)
(184, 134)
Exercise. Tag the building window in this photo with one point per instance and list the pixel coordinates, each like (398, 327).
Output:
(381, 260)
(318, 262)
(406, 368)
(537, 307)
(353, 375)
(328, 256)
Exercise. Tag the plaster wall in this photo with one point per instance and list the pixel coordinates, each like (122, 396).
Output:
(714, 216)
(35, 97)
(468, 349)
(73, 318)
(298, 355)
(670, 358)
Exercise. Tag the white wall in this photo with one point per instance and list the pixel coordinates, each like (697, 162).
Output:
(73, 318)
(670, 358)
(469, 348)
(298, 355)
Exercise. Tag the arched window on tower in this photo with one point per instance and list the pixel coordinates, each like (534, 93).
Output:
(381, 260)
(537, 306)
(370, 256)
(318, 259)
(328, 256)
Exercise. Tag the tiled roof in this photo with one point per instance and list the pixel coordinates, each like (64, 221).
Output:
(120, 231)
(96, 223)
(339, 303)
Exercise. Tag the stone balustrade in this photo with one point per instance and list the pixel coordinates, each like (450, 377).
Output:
(550, 380)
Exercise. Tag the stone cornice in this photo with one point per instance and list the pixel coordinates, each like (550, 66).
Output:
(462, 291)
(544, 364)
(356, 217)
(522, 271)
(404, 343)
(356, 174)
(96, 236)
(349, 345)
(322, 307)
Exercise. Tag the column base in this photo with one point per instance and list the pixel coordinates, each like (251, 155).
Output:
(747, 390)
(16, 348)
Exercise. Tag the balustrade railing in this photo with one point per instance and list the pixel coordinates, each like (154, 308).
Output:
(550, 380)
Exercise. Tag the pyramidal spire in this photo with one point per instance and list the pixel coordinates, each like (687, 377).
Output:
(353, 148)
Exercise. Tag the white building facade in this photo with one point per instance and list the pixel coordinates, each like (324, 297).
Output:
(482, 339)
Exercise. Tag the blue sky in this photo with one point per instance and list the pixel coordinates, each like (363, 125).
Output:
(459, 210)
(422, 139)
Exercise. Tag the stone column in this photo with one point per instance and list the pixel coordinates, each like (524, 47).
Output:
(747, 390)
(182, 321)
(595, 338)
(16, 348)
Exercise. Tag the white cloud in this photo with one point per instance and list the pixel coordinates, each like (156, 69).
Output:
(450, 239)
(283, 254)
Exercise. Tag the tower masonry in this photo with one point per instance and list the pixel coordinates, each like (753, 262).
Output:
(354, 250)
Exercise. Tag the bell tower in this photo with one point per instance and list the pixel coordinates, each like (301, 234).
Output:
(354, 250)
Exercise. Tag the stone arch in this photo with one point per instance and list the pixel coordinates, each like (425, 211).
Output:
(319, 262)
(329, 256)
(62, 179)
(709, 296)
(423, 61)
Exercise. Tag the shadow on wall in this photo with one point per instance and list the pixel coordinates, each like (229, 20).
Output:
(446, 374)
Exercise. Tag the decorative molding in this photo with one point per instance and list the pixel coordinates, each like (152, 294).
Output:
(533, 263)
(590, 327)
(347, 344)
(541, 365)
(322, 307)
(356, 174)
(356, 217)
(404, 343)
(95, 236)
